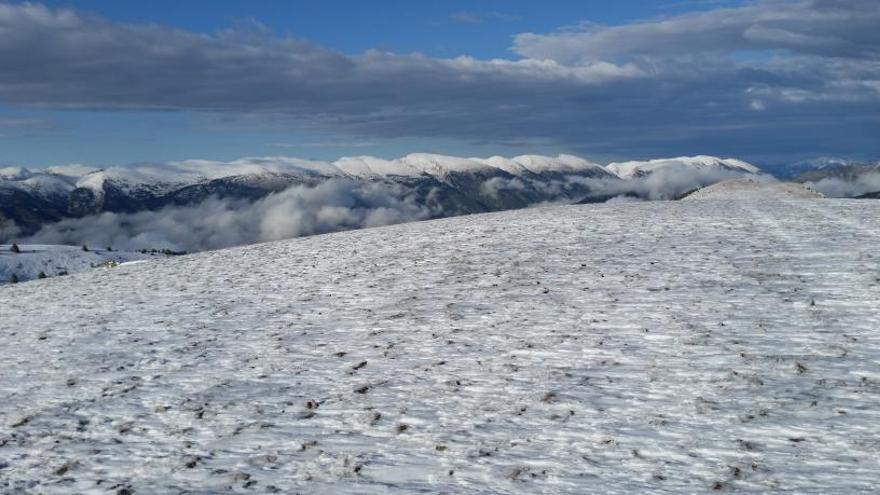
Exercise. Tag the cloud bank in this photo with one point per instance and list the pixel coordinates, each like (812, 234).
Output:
(666, 183)
(768, 78)
(836, 187)
(297, 211)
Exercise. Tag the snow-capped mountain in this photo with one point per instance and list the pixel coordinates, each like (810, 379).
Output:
(817, 166)
(666, 347)
(700, 163)
(847, 171)
(849, 181)
(447, 184)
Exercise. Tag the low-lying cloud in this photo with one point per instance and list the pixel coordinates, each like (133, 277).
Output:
(836, 187)
(217, 223)
(662, 184)
(336, 204)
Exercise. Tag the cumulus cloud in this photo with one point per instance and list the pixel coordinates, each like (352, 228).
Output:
(298, 211)
(759, 79)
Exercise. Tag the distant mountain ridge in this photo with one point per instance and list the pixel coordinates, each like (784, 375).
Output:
(819, 166)
(627, 170)
(453, 185)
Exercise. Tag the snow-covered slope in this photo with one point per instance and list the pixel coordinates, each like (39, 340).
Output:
(676, 347)
(44, 186)
(538, 165)
(750, 189)
(628, 170)
(371, 167)
(53, 260)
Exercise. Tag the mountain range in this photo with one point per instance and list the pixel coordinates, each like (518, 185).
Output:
(446, 185)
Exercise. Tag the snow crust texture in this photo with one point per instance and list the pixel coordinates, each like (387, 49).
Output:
(752, 189)
(651, 347)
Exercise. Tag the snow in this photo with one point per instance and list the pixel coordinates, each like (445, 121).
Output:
(824, 163)
(750, 189)
(508, 165)
(272, 164)
(156, 178)
(664, 346)
(441, 166)
(71, 170)
(14, 173)
(368, 166)
(538, 164)
(562, 163)
(55, 260)
(41, 185)
(166, 177)
(628, 170)
(163, 178)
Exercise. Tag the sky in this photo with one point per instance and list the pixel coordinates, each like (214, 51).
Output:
(107, 82)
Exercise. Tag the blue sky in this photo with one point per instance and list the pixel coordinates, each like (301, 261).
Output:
(107, 82)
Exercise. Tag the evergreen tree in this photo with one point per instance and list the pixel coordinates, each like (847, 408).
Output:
(15, 248)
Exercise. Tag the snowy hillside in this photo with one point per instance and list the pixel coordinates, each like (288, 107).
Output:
(700, 163)
(751, 189)
(671, 347)
(52, 260)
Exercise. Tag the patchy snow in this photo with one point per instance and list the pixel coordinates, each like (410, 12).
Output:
(628, 170)
(751, 189)
(53, 260)
(666, 346)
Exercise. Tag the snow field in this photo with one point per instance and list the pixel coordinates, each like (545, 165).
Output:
(665, 347)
